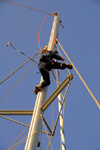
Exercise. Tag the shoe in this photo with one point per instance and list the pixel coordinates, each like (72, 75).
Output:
(69, 66)
(64, 65)
(37, 89)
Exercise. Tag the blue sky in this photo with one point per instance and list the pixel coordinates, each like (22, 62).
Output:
(81, 40)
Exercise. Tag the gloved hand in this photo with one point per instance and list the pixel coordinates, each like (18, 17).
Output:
(63, 59)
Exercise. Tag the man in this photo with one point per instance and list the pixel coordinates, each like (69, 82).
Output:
(46, 64)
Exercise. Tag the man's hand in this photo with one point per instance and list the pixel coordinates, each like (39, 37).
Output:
(63, 59)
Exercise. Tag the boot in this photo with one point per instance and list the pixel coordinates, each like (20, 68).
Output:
(69, 66)
(37, 89)
(64, 65)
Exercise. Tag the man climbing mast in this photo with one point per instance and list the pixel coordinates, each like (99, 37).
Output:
(46, 64)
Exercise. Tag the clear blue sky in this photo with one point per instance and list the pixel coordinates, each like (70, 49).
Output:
(81, 40)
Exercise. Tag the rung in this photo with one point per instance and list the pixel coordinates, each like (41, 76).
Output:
(56, 92)
(16, 112)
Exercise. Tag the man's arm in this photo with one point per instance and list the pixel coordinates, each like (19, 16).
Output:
(54, 54)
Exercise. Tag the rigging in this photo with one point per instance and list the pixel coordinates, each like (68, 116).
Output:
(28, 7)
(19, 68)
(80, 76)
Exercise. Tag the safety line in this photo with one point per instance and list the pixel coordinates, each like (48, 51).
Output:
(28, 7)
(19, 68)
(80, 77)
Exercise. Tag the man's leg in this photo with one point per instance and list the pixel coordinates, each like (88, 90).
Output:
(57, 65)
(46, 82)
(46, 78)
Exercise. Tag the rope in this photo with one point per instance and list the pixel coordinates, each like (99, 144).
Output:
(20, 142)
(19, 51)
(61, 56)
(18, 138)
(40, 29)
(47, 134)
(80, 76)
(14, 121)
(49, 143)
(18, 68)
(20, 5)
(61, 107)
(16, 83)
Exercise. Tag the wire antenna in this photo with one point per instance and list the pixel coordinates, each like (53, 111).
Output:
(28, 7)
(14, 48)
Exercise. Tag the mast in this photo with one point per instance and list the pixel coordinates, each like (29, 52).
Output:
(35, 126)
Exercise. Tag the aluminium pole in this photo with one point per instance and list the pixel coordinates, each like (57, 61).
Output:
(35, 126)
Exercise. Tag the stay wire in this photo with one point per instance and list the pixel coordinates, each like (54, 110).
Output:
(16, 83)
(18, 143)
(80, 76)
(23, 124)
(28, 7)
(15, 141)
(19, 51)
(19, 67)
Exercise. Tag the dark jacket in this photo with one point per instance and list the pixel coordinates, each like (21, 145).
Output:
(46, 59)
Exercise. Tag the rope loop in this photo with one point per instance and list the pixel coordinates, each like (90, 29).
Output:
(41, 28)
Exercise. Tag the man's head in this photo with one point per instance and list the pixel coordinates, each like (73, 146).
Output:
(44, 50)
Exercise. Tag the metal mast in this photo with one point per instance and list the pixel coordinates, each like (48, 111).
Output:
(35, 126)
